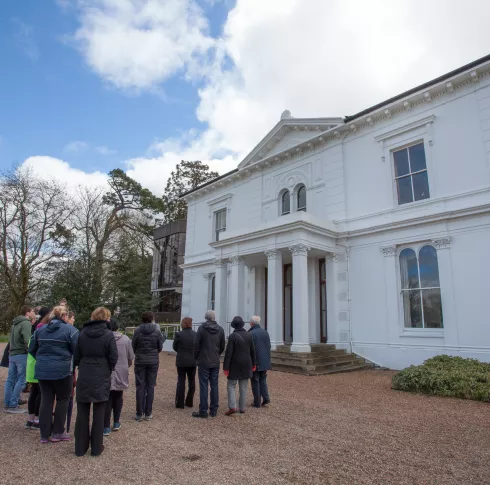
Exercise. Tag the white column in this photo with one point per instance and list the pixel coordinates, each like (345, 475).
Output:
(237, 287)
(220, 296)
(331, 283)
(250, 306)
(446, 281)
(260, 291)
(301, 329)
(274, 297)
(393, 326)
(314, 300)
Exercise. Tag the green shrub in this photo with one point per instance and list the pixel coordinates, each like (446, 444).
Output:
(446, 376)
(4, 338)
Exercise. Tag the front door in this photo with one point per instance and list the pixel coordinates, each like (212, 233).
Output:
(323, 301)
(288, 304)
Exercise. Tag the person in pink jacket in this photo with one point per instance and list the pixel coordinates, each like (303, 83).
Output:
(119, 379)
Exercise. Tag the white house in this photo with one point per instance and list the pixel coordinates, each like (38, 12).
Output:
(371, 232)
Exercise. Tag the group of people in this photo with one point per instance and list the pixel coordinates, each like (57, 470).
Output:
(247, 358)
(54, 358)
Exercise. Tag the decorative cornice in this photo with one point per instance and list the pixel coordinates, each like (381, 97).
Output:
(388, 251)
(300, 249)
(271, 253)
(442, 242)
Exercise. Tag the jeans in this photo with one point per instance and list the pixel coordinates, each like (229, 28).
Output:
(16, 380)
(114, 404)
(180, 397)
(243, 388)
(208, 376)
(146, 379)
(51, 390)
(259, 387)
(84, 436)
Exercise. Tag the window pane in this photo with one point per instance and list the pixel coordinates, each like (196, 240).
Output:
(411, 309)
(301, 198)
(417, 157)
(285, 203)
(432, 308)
(213, 285)
(408, 269)
(401, 162)
(429, 270)
(421, 186)
(404, 186)
(289, 275)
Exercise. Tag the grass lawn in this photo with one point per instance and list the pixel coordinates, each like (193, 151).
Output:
(336, 429)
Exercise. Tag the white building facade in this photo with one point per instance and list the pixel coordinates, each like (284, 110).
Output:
(371, 232)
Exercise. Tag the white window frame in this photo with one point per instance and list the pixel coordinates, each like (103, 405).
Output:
(417, 332)
(397, 139)
(215, 205)
(410, 173)
(216, 230)
(281, 197)
(296, 198)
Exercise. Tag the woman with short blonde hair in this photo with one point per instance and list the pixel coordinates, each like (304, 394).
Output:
(96, 357)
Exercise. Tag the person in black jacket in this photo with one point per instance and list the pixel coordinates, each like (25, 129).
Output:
(147, 345)
(186, 364)
(210, 343)
(239, 364)
(262, 344)
(96, 357)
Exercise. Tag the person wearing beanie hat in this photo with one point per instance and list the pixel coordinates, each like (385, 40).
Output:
(239, 365)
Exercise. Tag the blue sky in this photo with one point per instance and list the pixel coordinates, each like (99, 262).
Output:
(90, 85)
(50, 98)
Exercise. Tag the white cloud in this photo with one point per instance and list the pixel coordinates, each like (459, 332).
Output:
(50, 167)
(24, 39)
(315, 58)
(76, 146)
(138, 45)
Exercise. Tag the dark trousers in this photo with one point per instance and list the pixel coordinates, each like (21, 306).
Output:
(146, 379)
(69, 414)
(51, 390)
(83, 435)
(208, 377)
(114, 404)
(182, 372)
(259, 387)
(34, 401)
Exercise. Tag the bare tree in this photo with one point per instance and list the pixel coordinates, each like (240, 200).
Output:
(34, 231)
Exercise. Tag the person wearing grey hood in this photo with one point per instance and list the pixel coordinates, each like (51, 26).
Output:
(210, 343)
(239, 365)
(20, 335)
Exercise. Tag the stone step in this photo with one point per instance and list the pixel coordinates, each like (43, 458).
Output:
(332, 369)
(293, 360)
(308, 355)
(315, 348)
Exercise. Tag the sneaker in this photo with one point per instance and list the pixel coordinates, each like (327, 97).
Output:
(35, 425)
(230, 412)
(56, 438)
(138, 418)
(116, 427)
(16, 410)
(22, 402)
(242, 411)
(149, 418)
(28, 425)
(197, 414)
(44, 441)
(264, 403)
(107, 431)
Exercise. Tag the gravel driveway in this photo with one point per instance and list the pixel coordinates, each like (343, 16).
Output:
(336, 429)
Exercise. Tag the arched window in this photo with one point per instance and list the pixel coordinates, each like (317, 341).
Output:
(285, 203)
(421, 290)
(212, 293)
(301, 198)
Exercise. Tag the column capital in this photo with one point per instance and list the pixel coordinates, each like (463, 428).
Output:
(220, 262)
(335, 257)
(236, 260)
(300, 249)
(271, 253)
(388, 251)
(251, 269)
(207, 276)
(442, 242)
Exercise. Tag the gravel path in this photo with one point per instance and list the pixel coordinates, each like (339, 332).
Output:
(337, 429)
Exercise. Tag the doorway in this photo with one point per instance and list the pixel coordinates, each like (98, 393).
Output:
(323, 300)
(288, 304)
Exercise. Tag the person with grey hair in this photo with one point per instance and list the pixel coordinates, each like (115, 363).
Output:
(262, 344)
(209, 345)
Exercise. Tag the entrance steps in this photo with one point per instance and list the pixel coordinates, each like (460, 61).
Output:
(323, 359)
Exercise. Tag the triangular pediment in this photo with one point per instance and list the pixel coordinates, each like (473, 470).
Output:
(288, 133)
